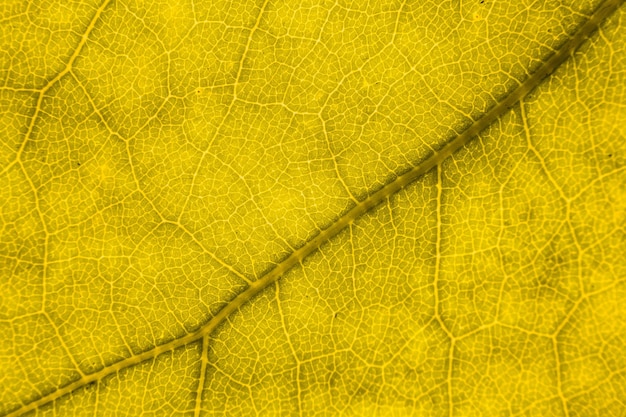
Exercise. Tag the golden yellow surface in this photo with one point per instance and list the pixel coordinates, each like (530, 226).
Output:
(314, 208)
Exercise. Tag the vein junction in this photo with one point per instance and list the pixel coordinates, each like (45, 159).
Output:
(359, 209)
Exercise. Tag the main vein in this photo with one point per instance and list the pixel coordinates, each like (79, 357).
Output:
(435, 158)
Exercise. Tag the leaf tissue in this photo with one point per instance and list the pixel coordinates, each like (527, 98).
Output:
(316, 208)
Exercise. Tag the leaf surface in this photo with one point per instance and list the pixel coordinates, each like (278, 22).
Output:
(322, 208)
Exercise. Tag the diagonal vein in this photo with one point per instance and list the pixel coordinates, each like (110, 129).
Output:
(434, 159)
(57, 78)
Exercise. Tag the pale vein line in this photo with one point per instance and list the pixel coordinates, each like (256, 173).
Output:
(533, 149)
(436, 290)
(450, 372)
(559, 377)
(335, 164)
(244, 54)
(291, 347)
(56, 79)
(28, 134)
(204, 360)
(17, 160)
(568, 200)
(339, 84)
(438, 257)
(434, 159)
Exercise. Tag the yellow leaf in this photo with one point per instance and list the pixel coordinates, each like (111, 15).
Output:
(312, 208)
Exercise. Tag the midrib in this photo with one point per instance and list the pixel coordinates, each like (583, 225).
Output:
(602, 12)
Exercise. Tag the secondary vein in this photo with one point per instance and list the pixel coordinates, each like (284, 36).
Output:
(434, 159)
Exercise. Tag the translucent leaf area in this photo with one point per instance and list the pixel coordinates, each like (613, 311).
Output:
(313, 208)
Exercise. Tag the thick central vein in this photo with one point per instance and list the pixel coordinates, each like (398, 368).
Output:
(434, 159)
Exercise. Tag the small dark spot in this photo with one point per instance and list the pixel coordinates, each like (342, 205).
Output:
(78, 163)
(610, 155)
(482, 1)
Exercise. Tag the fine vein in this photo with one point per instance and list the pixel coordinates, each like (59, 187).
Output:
(434, 159)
